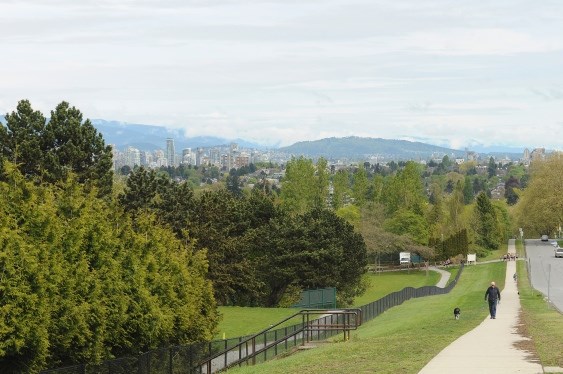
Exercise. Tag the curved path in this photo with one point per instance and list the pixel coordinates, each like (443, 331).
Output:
(491, 346)
(445, 276)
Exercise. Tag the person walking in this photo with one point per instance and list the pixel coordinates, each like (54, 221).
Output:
(492, 295)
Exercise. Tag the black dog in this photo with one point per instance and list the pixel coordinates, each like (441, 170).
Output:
(457, 312)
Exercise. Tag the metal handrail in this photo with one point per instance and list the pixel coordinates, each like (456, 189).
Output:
(307, 326)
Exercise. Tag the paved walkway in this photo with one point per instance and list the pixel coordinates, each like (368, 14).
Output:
(444, 278)
(490, 347)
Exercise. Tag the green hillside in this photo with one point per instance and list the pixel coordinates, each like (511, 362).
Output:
(355, 147)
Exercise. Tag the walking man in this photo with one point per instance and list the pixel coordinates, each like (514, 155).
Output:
(493, 296)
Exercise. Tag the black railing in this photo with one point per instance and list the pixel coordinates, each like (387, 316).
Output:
(269, 341)
(190, 359)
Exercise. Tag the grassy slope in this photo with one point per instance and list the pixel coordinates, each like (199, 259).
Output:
(383, 284)
(403, 339)
(240, 321)
(544, 324)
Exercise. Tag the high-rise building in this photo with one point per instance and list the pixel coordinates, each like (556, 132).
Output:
(187, 156)
(132, 157)
(215, 157)
(170, 152)
(199, 156)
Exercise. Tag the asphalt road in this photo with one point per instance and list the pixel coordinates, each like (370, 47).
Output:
(546, 270)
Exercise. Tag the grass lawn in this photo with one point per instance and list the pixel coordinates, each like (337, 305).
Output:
(495, 255)
(240, 321)
(404, 338)
(544, 324)
(382, 284)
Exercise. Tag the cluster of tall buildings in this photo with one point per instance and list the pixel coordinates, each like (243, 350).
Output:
(225, 157)
(231, 156)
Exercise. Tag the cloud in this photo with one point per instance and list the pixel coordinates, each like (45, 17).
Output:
(478, 41)
(285, 71)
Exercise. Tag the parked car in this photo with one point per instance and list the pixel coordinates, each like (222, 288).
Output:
(559, 252)
(544, 238)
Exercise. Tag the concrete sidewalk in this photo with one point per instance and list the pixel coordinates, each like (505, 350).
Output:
(490, 347)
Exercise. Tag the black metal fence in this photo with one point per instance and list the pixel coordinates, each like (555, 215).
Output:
(188, 359)
(316, 324)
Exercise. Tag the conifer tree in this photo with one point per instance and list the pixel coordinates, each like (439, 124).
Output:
(486, 223)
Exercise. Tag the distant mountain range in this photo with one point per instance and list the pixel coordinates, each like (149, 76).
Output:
(152, 137)
(361, 148)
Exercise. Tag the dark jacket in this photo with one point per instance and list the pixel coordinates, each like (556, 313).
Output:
(492, 294)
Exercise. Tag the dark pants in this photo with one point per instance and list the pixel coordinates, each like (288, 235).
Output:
(493, 308)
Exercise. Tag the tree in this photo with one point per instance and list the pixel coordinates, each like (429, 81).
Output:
(446, 162)
(383, 245)
(539, 209)
(449, 186)
(467, 190)
(408, 223)
(360, 186)
(74, 144)
(510, 187)
(405, 190)
(455, 207)
(50, 151)
(140, 191)
(82, 282)
(323, 181)
(222, 225)
(485, 223)
(21, 140)
(304, 186)
(125, 170)
(435, 216)
(375, 188)
(340, 188)
(233, 184)
(492, 167)
(313, 250)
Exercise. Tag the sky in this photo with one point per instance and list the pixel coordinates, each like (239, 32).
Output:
(456, 73)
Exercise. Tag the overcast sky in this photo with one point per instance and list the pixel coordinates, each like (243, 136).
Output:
(447, 72)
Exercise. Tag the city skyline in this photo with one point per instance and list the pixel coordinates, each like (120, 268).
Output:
(450, 73)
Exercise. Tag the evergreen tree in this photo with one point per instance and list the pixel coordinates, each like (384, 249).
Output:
(140, 191)
(74, 144)
(21, 141)
(510, 186)
(467, 190)
(233, 184)
(83, 283)
(486, 223)
(50, 151)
